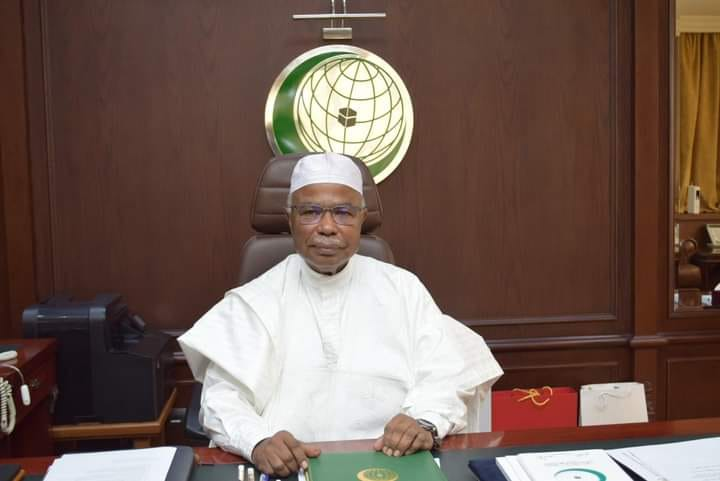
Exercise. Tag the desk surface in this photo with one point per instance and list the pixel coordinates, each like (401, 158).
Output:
(457, 450)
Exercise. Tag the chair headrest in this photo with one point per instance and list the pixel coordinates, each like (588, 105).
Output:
(268, 208)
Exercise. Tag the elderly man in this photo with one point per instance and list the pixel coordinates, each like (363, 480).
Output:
(330, 345)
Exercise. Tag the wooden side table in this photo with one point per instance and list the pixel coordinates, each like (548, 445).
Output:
(143, 434)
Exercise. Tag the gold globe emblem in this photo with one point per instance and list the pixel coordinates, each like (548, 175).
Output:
(377, 474)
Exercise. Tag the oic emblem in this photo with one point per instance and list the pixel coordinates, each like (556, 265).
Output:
(377, 474)
(341, 99)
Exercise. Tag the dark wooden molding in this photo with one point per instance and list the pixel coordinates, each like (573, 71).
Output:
(697, 337)
(648, 342)
(575, 318)
(570, 342)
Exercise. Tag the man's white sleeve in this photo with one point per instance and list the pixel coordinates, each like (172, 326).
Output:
(231, 352)
(453, 368)
(227, 416)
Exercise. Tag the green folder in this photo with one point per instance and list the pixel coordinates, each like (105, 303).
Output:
(374, 466)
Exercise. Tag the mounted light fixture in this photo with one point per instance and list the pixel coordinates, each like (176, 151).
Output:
(340, 32)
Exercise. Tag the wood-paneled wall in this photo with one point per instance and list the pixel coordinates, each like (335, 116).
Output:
(17, 275)
(519, 166)
(533, 201)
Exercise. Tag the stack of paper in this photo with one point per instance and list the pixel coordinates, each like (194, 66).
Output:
(686, 460)
(583, 465)
(137, 465)
(696, 460)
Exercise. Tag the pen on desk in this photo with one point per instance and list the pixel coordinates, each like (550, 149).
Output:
(241, 472)
(264, 477)
(251, 473)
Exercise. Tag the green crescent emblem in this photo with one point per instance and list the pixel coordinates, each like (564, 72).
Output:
(342, 99)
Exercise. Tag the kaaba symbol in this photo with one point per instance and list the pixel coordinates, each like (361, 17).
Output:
(347, 116)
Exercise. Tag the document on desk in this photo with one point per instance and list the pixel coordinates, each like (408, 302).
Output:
(580, 465)
(150, 464)
(695, 460)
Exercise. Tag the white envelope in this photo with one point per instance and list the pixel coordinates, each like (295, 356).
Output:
(613, 403)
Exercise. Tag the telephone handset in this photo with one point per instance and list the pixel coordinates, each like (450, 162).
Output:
(7, 403)
(7, 407)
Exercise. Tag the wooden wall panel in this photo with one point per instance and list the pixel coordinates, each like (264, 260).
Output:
(693, 386)
(511, 205)
(5, 330)
(17, 276)
(650, 193)
(570, 367)
(533, 201)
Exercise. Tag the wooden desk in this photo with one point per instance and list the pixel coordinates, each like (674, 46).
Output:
(142, 433)
(36, 360)
(510, 439)
(500, 439)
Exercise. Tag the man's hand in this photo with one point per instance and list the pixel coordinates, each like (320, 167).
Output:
(282, 454)
(403, 435)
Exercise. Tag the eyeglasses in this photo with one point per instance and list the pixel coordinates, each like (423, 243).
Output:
(343, 214)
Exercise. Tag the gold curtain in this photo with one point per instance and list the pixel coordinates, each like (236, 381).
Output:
(698, 119)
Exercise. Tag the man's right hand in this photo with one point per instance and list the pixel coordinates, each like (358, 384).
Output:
(282, 454)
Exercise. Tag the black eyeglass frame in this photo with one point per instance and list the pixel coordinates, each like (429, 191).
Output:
(337, 216)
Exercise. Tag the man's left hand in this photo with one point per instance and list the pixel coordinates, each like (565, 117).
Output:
(403, 435)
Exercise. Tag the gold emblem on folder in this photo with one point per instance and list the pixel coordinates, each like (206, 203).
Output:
(377, 474)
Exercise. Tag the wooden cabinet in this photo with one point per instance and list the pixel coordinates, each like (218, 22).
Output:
(36, 360)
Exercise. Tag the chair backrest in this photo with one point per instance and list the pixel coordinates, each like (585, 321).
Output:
(268, 217)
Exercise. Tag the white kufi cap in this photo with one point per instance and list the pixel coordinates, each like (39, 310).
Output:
(326, 168)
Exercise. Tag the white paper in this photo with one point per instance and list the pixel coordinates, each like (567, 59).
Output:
(696, 460)
(511, 469)
(150, 464)
(582, 465)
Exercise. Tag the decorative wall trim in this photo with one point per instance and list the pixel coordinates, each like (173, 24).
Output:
(592, 317)
(555, 343)
(648, 342)
(664, 339)
(610, 365)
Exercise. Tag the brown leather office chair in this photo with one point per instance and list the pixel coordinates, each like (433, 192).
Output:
(273, 241)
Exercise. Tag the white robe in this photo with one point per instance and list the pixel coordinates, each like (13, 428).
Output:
(333, 357)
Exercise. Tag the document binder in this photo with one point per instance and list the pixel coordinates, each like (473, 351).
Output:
(373, 466)
(182, 464)
(486, 469)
